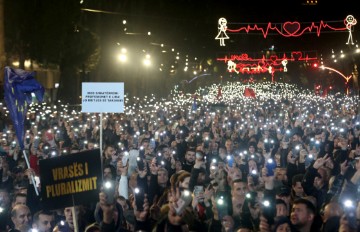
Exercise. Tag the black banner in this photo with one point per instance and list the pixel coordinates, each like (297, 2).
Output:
(70, 180)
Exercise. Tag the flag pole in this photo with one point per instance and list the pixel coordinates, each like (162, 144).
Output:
(31, 174)
(101, 142)
(74, 216)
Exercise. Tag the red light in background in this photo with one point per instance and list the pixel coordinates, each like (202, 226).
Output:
(315, 65)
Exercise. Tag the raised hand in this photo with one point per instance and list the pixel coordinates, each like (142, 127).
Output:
(321, 161)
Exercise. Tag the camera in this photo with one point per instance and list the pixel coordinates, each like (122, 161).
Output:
(27, 139)
(270, 166)
(308, 160)
(296, 151)
(222, 206)
(251, 197)
(268, 210)
(206, 142)
(159, 158)
(198, 189)
(350, 212)
(184, 200)
(13, 144)
(230, 160)
(140, 163)
(139, 198)
(109, 190)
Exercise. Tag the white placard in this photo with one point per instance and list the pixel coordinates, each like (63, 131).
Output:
(102, 97)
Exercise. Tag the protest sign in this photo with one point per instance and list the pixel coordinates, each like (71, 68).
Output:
(102, 97)
(70, 180)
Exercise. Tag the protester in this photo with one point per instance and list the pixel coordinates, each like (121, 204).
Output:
(216, 168)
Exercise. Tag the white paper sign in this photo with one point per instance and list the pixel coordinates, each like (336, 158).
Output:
(103, 97)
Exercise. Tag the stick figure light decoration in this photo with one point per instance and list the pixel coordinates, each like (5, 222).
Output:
(222, 31)
(349, 22)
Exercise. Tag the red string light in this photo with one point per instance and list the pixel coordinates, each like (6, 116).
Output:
(289, 29)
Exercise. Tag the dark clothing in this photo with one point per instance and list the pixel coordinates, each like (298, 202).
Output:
(98, 214)
(310, 190)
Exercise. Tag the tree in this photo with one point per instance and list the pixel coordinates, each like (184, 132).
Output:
(49, 32)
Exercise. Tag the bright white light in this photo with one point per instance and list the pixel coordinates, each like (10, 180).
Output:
(122, 57)
(186, 193)
(147, 62)
(149, 32)
(27, 63)
(266, 203)
(108, 184)
(186, 68)
(220, 201)
(124, 22)
(56, 85)
(136, 190)
(348, 203)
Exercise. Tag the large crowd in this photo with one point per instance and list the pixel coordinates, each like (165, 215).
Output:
(284, 159)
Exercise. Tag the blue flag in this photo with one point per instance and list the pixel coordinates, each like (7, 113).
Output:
(18, 86)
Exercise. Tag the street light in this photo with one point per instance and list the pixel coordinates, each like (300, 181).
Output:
(122, 57)
(147, 61)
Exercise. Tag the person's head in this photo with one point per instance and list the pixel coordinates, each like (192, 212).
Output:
(321, 178)
(109, 172)
(228, 145)
(239, 188)
(284, 193)
(90, 145)
(183, 180)
(43, 221)
(281, 208)
(19, 199)
(237, 174)
(133, 180)
(280, 174)
(4, 199)
(166, 151)
(296, 185)
(296, 138)
(237, 204)
(109, 151)
(68, 213)
(162, 177)
(21, 217)
(252, 147)
(252, 165)
(178, 166)
(332, 209)
(190, 156)
(302, 213)
(282, 224)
